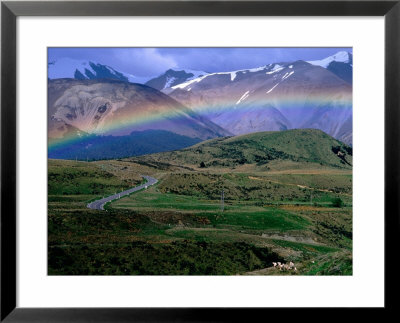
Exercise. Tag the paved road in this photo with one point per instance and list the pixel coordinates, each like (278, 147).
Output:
(99, 204)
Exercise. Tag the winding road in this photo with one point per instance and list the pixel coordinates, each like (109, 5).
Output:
(99, 204)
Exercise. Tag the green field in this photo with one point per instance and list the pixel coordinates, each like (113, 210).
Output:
(293, 205)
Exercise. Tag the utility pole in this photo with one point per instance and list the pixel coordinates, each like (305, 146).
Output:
(222, 200)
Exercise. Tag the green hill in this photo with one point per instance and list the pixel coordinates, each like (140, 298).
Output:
(264, 149)
(287, 196)
(67, 177)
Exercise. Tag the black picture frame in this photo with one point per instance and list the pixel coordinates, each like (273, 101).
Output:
(10, 10)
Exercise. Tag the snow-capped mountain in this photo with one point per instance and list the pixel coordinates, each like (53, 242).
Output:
(273, 97)
(87, 70)
(341, 57)
(340, 64)
(173, 77)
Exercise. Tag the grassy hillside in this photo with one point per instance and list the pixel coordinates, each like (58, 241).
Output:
(265, 150)
(262, 188)
(138, 143)
(76, 178)
(287, 197)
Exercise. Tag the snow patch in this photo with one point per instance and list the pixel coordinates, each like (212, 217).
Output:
(290, 66)
(257, 69)
(233, 74)
(170, 80)
(201, 78)
(270, 90)
(243, 97)
(185, 84)
(66, 68)
(341, 57)
(287, 75)
(196, 75)
(277, 68)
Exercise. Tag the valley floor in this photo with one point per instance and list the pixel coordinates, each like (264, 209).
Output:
(180, 226)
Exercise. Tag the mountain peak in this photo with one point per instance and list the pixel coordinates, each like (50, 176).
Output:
(340, 57)
(86, 70)
(114, 107)
(174, 76)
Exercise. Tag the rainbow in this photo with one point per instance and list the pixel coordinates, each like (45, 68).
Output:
(137, 120)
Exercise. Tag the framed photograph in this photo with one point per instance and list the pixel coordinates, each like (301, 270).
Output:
(197, 157)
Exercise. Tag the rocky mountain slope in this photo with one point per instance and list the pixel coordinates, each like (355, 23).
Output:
(272, 97)
(118, 108)
(79, 110)
(174, 77)
(87, 70)
(341, 64)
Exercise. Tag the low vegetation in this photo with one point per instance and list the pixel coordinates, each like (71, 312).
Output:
(297, 209)
(263, 149)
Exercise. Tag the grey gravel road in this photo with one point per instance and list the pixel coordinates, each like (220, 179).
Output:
(99, 204)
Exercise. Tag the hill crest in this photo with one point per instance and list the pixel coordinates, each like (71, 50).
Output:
(264, 150)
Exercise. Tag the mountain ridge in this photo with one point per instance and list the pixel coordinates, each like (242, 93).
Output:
(341, 64)
(172, 77)
(266, 150)
(94, 147)
(272, 97)
(89, 70)
(81, 108)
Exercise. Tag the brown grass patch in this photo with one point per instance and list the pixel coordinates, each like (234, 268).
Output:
(256, 178)
(305, 208)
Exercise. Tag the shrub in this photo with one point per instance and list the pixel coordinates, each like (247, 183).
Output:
(337, 202)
